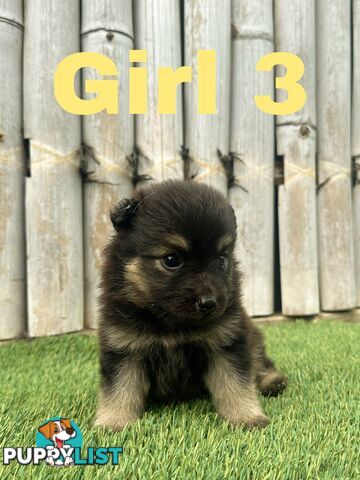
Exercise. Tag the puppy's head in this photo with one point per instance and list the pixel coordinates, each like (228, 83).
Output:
(58, 431)
(173, 252)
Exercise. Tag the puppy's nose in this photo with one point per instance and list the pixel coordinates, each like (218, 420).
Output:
(206, 303)
(70, 431)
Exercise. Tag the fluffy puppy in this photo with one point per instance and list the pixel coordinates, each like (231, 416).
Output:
(172, 323)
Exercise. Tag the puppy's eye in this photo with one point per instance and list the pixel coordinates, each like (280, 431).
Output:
(56, 430)
(223, 261)
(172, 261)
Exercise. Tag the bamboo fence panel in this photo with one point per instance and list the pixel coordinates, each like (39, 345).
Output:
(107, 28)
(53, 192)
(336, 248)
(56, 193)
(356, 140)
(296, 141)
(252, 142)
(12, 231)
(159, 137)
(207, 26)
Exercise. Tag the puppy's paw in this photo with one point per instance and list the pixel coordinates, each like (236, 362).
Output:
(272, 383)
(50, 461)
(113, 422)
(246, 418)
(256, 422)
(68, 461)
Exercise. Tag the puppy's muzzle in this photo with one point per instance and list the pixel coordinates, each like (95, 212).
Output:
(206, 303)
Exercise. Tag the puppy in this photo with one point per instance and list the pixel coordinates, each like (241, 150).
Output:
(172, 324)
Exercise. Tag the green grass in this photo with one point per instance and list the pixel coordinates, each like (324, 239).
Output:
(314, 430)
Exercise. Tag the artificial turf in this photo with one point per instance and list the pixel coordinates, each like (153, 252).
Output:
(314, 430)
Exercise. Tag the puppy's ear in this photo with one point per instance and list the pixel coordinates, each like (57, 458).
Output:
(45, 430)
(123, 213)
(66, 422)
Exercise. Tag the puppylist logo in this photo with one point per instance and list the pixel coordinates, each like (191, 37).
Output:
(58, 443)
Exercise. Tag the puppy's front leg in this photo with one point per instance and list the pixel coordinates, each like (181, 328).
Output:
(234, 396)
(124, 389)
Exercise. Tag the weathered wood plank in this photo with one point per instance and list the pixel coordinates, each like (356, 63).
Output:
(296, 141)
(356, 139)
(336, 248)
(252, 141)
(159, 137)
(12, 230)
(53, 192)
(107, 28)
(205, 134)
(109, 15)
(297, 221)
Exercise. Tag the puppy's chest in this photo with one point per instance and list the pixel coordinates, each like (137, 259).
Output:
(176, 373)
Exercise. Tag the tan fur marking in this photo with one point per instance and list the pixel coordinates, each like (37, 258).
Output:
(117, 338)
(137, 289)
(224, 241)
(171, 243)
(160, 250)
(124, 403)
(234, 401)
(177, 241)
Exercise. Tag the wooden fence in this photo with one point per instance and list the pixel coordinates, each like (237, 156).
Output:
(293, 180)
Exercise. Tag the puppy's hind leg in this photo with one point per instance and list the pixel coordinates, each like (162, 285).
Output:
(269, 380)
(124, 390)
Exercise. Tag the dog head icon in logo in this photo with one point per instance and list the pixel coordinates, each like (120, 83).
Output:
(59, 436)
(58, 431)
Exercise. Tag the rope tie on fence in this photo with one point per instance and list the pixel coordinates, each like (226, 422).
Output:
(294, 172)
(157, 170)
(8, 158)
(110, 166)
(48, 156)
(209, 168)
(329, 171)
(263, 172)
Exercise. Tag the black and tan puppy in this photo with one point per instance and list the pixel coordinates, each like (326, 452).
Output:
(172, 324)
